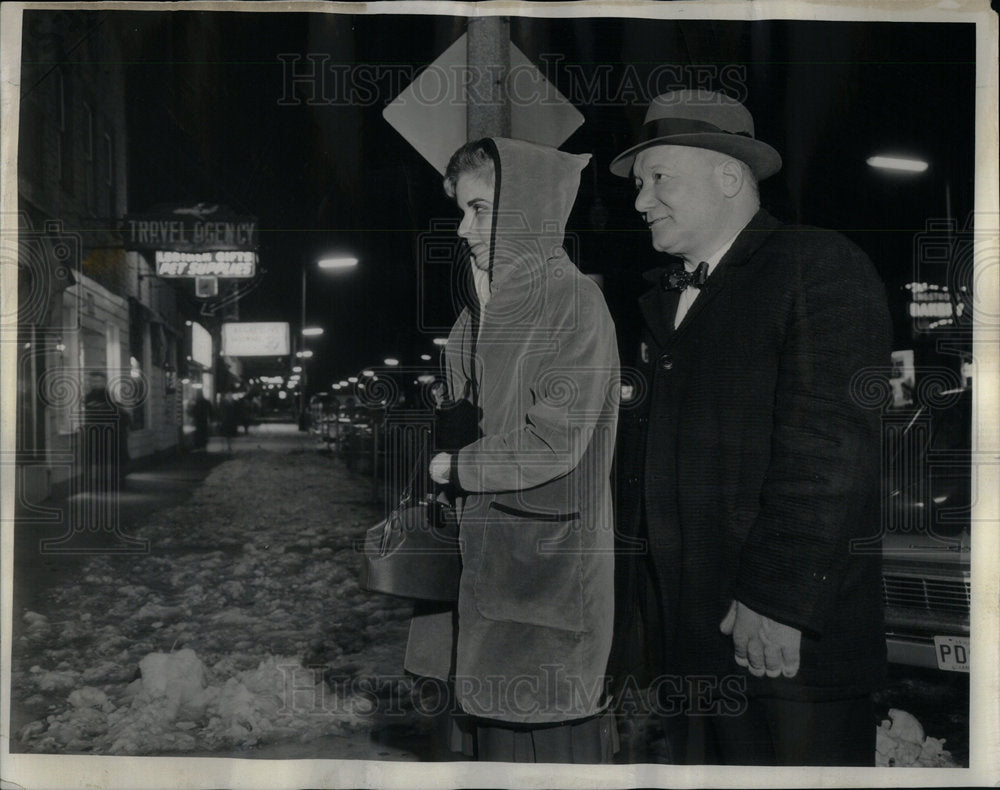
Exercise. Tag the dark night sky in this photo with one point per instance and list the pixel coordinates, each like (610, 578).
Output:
(212, 118)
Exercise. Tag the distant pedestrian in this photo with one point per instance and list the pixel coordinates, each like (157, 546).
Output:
(200, 411)
(229, 420)
(103, 460)
(243, 409)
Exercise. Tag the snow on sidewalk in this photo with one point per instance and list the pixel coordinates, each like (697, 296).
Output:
(199, 644)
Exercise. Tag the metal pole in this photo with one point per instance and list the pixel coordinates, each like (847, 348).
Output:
(488, 54)
(375, 460)
(303, 379)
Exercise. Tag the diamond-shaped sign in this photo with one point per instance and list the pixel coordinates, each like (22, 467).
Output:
(431, 112)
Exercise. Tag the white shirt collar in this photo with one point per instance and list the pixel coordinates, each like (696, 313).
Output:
(713, 259)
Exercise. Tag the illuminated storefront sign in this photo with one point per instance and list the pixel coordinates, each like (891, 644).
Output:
(934, 306)
(201, 345)
(217, 263)
(266, 339)
(198, 228)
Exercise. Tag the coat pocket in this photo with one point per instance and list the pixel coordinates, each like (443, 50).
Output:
(531, 569)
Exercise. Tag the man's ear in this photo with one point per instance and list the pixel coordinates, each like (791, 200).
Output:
(731, 177)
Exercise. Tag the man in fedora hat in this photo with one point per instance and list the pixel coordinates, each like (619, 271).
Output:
(749, 466)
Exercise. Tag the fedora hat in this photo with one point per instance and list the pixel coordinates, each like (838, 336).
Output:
(702, 119)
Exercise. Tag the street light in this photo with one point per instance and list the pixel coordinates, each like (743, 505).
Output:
(899, 163)
(328, 263)
(337, 263)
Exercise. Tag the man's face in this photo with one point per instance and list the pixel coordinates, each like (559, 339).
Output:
(474, 196)
(679, 195)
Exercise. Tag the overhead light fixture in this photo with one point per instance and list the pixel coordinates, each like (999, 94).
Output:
(367, 373)
(312, 331)
(440, 341)
(897, 163)
(352, 379)
(425, 357)
(337, 263)
(390, 362)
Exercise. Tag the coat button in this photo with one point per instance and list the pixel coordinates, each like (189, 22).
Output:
(666, 362)
(633, 480)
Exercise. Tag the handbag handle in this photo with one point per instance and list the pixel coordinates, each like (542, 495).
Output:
(407, 495)
(418, 464)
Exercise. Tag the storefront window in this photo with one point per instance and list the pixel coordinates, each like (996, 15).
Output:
(30, 366)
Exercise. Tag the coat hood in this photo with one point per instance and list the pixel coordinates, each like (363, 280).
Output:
(534, 192)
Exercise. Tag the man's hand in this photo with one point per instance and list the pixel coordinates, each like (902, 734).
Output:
(761, 644)
(441, 468)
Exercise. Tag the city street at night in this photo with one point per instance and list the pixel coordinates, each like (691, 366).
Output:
(677, 329)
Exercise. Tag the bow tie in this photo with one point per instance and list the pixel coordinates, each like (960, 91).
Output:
(679, 279)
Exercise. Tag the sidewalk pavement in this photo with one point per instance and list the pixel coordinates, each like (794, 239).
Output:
(51, 537)
(247, 558)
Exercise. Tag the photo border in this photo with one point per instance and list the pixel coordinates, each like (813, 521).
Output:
(49, 771)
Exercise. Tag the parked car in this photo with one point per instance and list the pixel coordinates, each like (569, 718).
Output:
(926, 533)
(358, 438)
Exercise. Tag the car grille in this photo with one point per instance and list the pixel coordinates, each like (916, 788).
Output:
(931, 595)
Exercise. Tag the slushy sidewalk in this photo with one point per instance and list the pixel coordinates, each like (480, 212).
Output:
(239, 573)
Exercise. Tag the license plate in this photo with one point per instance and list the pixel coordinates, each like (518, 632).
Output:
(952, 653)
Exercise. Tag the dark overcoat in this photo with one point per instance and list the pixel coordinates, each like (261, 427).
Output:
(750, 458)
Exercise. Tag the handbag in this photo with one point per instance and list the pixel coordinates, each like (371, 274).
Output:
(414, 553)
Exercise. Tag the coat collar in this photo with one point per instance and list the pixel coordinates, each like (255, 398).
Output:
(658, 309)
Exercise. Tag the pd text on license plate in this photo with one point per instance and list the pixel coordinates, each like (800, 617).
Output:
(952, 653)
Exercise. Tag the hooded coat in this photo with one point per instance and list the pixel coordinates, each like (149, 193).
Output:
(536, 597)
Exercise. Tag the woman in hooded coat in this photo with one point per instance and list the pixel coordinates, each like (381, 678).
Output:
(537, 356)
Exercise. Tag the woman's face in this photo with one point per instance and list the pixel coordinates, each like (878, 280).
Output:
(474, 196)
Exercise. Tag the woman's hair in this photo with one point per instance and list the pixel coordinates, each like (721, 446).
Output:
(473, 158)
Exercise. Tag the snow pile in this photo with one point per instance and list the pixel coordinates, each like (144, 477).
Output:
(179, 705)
(177, 679)
(900, 742)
